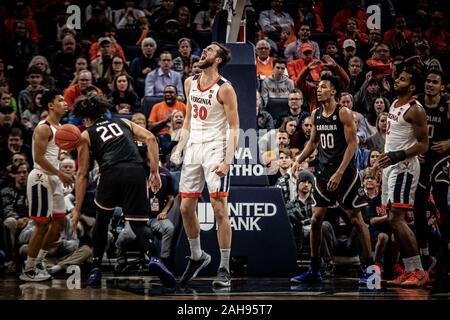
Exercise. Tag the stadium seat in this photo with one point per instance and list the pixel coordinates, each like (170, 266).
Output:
(147, 104)
(128, 36)
(277, 106)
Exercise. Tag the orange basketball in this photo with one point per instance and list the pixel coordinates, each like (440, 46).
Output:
(68, 137)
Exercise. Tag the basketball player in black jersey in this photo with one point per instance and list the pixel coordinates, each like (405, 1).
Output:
(337, 180)
(434, 173)
(122, 179)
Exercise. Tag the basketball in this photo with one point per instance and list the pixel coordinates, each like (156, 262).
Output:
(68, 137)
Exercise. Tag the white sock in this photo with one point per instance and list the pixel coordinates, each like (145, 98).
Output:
(41, 255)
(196, 250)
(30, 263)
(412, 263)
(424, 251)
(225, 259)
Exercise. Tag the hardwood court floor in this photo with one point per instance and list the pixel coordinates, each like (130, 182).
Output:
(251, 288)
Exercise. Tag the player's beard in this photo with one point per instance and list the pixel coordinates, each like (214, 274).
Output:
(204, 64)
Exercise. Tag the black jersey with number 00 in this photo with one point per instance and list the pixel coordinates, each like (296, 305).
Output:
(112, 142)
(330, 133)
(437, 125)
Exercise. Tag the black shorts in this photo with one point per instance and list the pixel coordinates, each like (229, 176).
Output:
(433, 173)
(349, 193)
(124, 185)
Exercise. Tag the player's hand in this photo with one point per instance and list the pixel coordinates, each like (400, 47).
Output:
(66, 179)
(222, 169)
(440, 146)
(75, 219)
(154, 181)
(175, 158)
(383, 161)
(334, 181)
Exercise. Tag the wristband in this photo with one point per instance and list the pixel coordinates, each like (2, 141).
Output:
(396, 156)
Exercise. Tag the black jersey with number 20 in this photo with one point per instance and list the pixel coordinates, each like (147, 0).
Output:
(112, 142)
(330, 133)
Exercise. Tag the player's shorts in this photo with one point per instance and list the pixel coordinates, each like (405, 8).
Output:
(124, 185)
(400, 183)
(349, 193)
(45, 196)
(199, 161)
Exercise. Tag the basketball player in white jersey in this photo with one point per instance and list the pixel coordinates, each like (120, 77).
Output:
(406, 138)
(45, 188)
(210, 133)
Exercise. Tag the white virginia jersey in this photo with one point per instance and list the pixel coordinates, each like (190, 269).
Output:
(52, 152)
(208, 118)
(399, 132)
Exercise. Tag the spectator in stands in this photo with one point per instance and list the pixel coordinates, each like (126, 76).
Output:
(352, 32)
(352, 10)
(437, 36)
(63, 62)
(346, 100)
(299, 209)
(307, 16)
(380, 104)
(14, 204)
(31, 116)
(80, 64)
(297, 109)
(184, 20)
(423, 57)
(20, 49)
(355, 68)
(5, 88)
(263, 118)
(305, 131)
(195, 68)
(272, 21)
(381, 62)
(309, 89)
(288, 175)
(74, 92)
(398, 37)
(123, 97)
(34, 80)
(295, 67)
(117, 66)
(165, 12)
(160, 116)
(158, 79)
(116, 49)
(366, 94)
(128, 16)
(377, 141)
(95, 27)
(278, 85)
(183, 62)
(204, 19)
(100, 5)
(349, 51)
(6, 99)
(141, 66)
(293, 52)
(264, 62)
(41, 62)
(16, 143)
(100, 64)
(21, 14)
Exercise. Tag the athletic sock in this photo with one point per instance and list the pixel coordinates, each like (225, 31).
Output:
(30, 263)
(315, 264)
(196, 250)
(41, 255)
(225, 259)
(412, 263)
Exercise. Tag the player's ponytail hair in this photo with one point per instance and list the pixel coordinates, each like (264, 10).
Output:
(92, 107)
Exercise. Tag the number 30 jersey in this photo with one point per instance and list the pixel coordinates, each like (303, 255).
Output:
(112, 142)
(208, 118)
(331, 136)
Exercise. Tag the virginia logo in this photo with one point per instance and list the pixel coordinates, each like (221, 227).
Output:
(205, 215)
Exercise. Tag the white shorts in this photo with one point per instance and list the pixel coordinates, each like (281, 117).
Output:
(400, 183)
(45, 196)
(199, 161)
